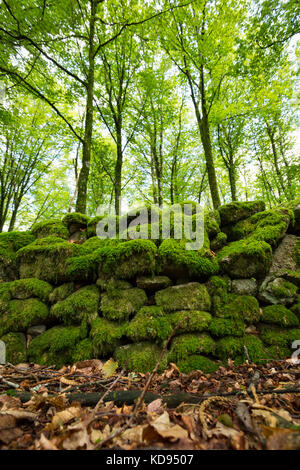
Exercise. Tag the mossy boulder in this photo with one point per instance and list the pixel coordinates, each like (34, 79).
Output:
(30, 287)
(197, 362)
(197, 321)
(279, 315)
(284, 258)
(191, 296)
(295, 308)
(15, 344)
(153, 283)
(234, 348)
(83, 351)
(212, 224)
(177, 262)
(47, 258)
(81, 305)
(120, 305)
(220, 327)
(150, 323)
(61, 292)
(191, 343)
(22, 314)
(219, 241)
(55, 347)
(277, 291)
(276, 336)
(110, 285)
(126, 260)
(75, 221)
(244, 287)
(50, 228)
(82, 268)
(235, 211)
(10, 243)
(92, 226)
(140, 357)
(106, 335)
(246, 258)
(243, 307)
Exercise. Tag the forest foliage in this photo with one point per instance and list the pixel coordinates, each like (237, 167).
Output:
(159, 101)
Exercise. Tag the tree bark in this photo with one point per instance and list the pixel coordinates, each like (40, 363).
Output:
(88, 131)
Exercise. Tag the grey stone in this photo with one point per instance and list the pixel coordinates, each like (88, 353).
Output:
(283, 258)
(36, 330)
(244, 286)
(153, 283)
(277, 291)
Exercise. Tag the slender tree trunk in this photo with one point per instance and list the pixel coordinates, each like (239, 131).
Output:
(232, 180)
(87, 141)
(118, 168)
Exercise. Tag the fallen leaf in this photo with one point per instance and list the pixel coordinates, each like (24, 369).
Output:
(46, 444)
(65, 416)
(109, 368)
(155, 407)
(167, 429)
(20, 415)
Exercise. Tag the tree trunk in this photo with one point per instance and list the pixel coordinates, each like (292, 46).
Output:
(87, 141)
(232, 180)
(118, 168)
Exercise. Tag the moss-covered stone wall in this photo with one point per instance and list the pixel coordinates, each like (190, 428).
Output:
(67, 296)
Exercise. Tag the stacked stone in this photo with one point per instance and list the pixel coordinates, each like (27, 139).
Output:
(67, 296)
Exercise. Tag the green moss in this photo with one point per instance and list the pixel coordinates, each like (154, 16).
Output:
(61, 292)
(198, 321)
(176, 260)
(296, 253)
(246, 258)
(127, 259)
(217, 284)
(295, 308)
(55, 347)
(211, 223)
(15, 240)
(140, 357)
(15, 344)
(226, 327)
(5, 296)
(275, 336)
(190, 343)
(192, 296)
(75, 218)
(30, 287)
(22, 314)
(82, 304)
(46, 259)
(235, 211)
(219, 241)
(110, 285)
(229, 347)
(83, 351)
(82, 268)
(106, 335)
(120, 305)
(149, 323)
(93, 244)
(284, 289)
(244, 307)
(92, 226)
(197, 362)
(279, 315)
(52, 227)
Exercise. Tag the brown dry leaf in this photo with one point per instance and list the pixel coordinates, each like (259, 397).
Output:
(94, 364)
(267, 416)
(78, 438)
(244, 415)
(189, 423)
(284, 439)
(8, 402)
(135, 434)
(46, 444)
(155, 407)
(95, 436)
(221, 430)
(238, 442)
(20, 414)
(167, 429)
(109, 368)
(8, 429)
(65, 416)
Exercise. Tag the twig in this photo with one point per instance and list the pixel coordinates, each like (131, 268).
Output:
(107, 392)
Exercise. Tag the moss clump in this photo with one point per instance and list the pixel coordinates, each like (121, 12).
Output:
(244, 307)
(295, 308)
(110, 285)
(61, 292)
(246, 258)
(52, 227)
(150, 323)
(284, 289)
(15, 240)
(275, 336)
(83, 351)
(75, 218)
(94, 243)
(188, 344)
(120, 305)
(219, 241)
(106, 335)
(46, 259)
(127, 259)
(178, 262)
(229, 347)
(234, 348)
(21, 314)
(15, 344)
(140, 357)
(226, 327)
(212, 224)
(55, 347)
(217, 284)
(198, 321)
(92, 226)
(279, 315)
(153, 283)
(5, 296)
(82, 268)
(197, 362)
(235, 211)
(10, 242)
(82, 304)
(30, 287)
(192, 296)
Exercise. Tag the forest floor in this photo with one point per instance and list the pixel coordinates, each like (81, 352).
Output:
(94, 405)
